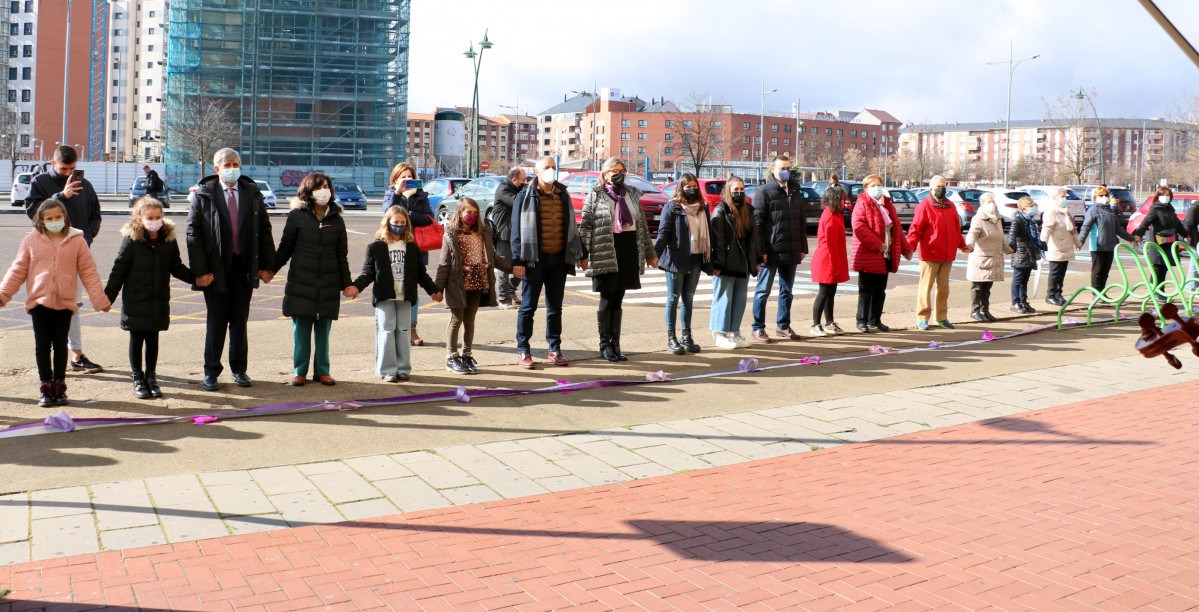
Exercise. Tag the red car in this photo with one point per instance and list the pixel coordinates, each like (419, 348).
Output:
(580, 184)
(1182, 202)
(710, 188)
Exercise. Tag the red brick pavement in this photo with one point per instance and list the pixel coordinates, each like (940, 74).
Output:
(1090, 505)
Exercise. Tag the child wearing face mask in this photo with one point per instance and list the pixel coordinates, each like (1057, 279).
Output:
(466, 274)
(407, 192)
(146, 261)
(48, 261)
(1024, 238)
(314, 240)
(1101, 232)
(393, 264)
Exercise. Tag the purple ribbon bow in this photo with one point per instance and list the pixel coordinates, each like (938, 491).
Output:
(813, 360)
(878, 349)
(987, 335)
(203, 418)
(61, 422)
(747, 365)
(658, 376)
(936, 345)
(563, 383)
(461, 395)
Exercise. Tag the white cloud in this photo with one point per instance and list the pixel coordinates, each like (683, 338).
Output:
(917, 59)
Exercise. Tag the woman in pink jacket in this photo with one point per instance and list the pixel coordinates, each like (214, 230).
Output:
(50, 262)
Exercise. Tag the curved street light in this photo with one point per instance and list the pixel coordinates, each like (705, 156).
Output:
(762, 132)
(1082, 95)
(477, 60)
(1007, 138)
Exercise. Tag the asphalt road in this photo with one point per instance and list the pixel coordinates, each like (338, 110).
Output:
(188, 305)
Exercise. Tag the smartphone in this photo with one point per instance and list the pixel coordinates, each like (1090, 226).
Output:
(412, 184)
(75, 176)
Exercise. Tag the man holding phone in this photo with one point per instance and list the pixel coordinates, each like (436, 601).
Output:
(67, 185)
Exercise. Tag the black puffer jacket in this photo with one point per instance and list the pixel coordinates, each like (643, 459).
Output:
(319, 268)
(142, 273)
(377, 270)
(1162, 225)
(210, 237)
(1025, 240)
(501, 210)
(733, 256)
(781, 221)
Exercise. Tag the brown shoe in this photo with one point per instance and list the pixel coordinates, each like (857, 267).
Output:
(325, 380)
(525, 361)
(557, 359)
(416, 341)
(760, 335)
(787, 333)
(297, 381)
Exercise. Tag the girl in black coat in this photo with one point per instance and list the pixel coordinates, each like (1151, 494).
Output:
(146, 261)
(394, 265)
(1165, 228)
(314, 239)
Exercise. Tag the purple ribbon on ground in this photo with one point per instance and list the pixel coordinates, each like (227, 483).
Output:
(936, 345)
(202, 419)
(659, 376)
(461, 395)
(564, 383)
(747, 365)
(812, 360)
(987, 335)
(878, 349)
(61, 422)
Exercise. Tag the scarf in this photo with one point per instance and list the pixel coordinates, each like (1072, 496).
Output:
(530, 225)
(622, 215)
(699, 230)
(886, 215)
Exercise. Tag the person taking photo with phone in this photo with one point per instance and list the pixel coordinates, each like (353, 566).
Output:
(408, 193)
(67, 185)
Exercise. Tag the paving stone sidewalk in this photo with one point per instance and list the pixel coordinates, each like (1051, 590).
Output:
(1085, 506)
(171, 509)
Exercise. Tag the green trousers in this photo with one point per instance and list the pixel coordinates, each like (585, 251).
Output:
(303, 329)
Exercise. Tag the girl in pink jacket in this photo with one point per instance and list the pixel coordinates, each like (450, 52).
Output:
(50, 262)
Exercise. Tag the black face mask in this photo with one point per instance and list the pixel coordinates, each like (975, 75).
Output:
(738, 197)
(939, 192)
(691, 194)
(617, 179)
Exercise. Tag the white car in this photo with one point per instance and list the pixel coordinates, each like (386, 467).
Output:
(1043, 196)
(268, 195)
(20, 188)
(1005, 201)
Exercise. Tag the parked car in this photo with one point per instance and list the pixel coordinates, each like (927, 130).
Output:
(652, 198)
(1127, 203)
(268, 194)
(1182, 203)
(20, 188)
(439, 188)
(481, 190)
(905, 204)
(1043, 196)
(138, 189)
(709, 188)
(1005, 201)
(853, 189)
(350, 196)
(965, 200)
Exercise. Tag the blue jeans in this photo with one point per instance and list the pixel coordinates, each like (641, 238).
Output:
(549, 272)
(1020, 285)
(682, 286)
(728, 303)
(392, 351)
(786, 275)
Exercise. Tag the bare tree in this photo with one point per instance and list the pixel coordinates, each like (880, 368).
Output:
(700, 132)
(856, 164)
(1184, 118)
(200, 127)
(1079, 146)
(826, 162)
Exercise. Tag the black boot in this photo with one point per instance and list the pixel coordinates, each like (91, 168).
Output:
(60, 393)
(152, 385)
(603, 319)
(1028, 309)
(140, 390)
(616, 316)
(688, 343)
(987, 314)
(672, 343)
(48, 394)
(976, 302)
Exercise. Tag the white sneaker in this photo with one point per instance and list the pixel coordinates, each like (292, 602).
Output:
(833, 329)
(724, 341)
(818, 331)
(741, 341)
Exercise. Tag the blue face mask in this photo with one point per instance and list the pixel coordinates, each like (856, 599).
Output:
(398, 230)
(1030, 215)
(230, 175)
(784, 176)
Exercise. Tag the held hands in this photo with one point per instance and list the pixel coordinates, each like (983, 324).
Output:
(653, 263)
(907, 256)
(518, 271)
(265, 275)
(1136, 239)
(583, 264)
(351, 292)
(967, 249)
(204, 281)
(437, 297)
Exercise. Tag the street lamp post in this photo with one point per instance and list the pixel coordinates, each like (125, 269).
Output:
(762, 132)
(116, 184)
(1082, 95)
(477, 60)
(41, 148)
(66, 72)
(1007, 138)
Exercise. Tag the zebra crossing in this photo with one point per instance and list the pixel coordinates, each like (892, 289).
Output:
(653, 282)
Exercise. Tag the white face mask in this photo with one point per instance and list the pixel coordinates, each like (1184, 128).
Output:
(152, 226)
(1163, 199)
(548, 176)
(1101, 200)
(321, 196)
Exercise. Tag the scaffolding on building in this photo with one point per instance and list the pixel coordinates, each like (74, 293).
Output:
(96, 79)
(311, 85)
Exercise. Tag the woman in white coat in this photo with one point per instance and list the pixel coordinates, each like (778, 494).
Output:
(985, 265)
(1061, 237)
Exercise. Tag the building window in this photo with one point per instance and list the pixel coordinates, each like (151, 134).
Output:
(114, 116)
(14, 29)
(118, 15)
(24, 140)
(745, 125)
(668, 151)
(774, 127)
(774, 142)
(26, 73)
(149, 47)
(149, 99)
(854, 133)
(641, 123)
(641, 136)
(151, 14)
(747, 140)
(148, 118)
(14, 7)
(801, 144)
(151, 32)
(803, 130)
(12, 50)
(12, 95)
(686, 124)
(670, 124)
(624, 150)
(149, 64)
(828, 144)
(27, 51)
(624, 136)
(28, 6)
(786, 142)
(838, 144)
(715, 124)
(840, 132)
(28, 28)
(641, 150)
(115, 100)
(114, 81)
(670, 138)
(25, 118)
(12, 74)
(624, 123)
(149, 81)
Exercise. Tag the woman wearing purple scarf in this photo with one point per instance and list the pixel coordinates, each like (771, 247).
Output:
(614, 232)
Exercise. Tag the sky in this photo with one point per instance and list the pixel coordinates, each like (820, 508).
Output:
(921, 60)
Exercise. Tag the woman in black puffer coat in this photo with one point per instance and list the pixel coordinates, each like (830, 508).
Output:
(314, 239)
(1164, 228)
(147, 259)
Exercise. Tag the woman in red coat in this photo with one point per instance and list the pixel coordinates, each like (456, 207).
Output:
(830, 264)
(878, 241)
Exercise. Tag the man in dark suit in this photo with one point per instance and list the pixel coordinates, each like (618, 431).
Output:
(230, 249)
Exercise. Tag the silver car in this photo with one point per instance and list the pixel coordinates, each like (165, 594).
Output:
(965, 200)
(268, 194)
(1043, 196)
